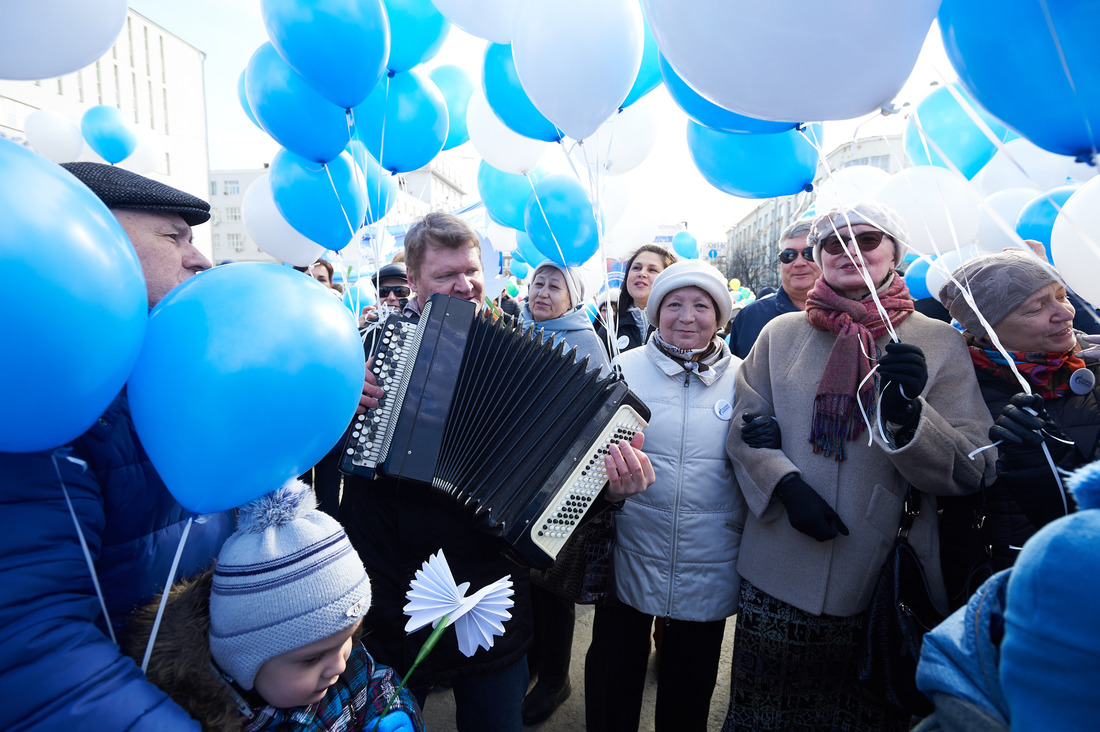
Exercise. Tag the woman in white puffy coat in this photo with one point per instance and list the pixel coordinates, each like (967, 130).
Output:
(676, 543)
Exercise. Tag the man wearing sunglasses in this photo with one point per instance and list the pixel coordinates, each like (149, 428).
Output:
(798, 274)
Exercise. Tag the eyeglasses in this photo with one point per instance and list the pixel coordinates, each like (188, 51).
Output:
(398, 290)
(865, 240)
(789, 255)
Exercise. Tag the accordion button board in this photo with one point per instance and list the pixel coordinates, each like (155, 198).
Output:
(564, 513)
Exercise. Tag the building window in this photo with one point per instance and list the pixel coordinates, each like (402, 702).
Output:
(133, 84)
(213, 188)
(130, 40)
(60, 86)
(80, 86)
(118, 89)
(148, 68)
(152, 121)
(167, 164)
(235, 241)
(99, 81)
(163, 73)
(232, 187)
(233, 213)
(215, 216)
(216, 240)
(164, 100)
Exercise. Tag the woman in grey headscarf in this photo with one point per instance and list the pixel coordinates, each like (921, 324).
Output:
(1025, 303)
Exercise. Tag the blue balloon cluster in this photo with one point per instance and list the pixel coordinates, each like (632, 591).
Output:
(685, 244)
(709, 114)
(324, 206)
(403, 122)
(456, 87)
(1036, 219)
(755, 165)
(508, 99)
(505, 194)
(106, 131)
(560, 221)
(948, 127)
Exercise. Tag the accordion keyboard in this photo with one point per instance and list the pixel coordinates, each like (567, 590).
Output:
(563, 514)
(367, 444)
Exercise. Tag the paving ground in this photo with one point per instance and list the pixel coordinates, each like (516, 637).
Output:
(439, 709)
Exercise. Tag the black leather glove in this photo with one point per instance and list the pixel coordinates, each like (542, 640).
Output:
(807, 511)
(761, 431)
(1017, 428)
(904, 373)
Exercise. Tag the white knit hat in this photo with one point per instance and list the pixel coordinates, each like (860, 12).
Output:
(690, 273)
(573, 280)
(288, 577)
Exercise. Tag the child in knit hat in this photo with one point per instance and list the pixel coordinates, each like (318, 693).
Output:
(286, 600)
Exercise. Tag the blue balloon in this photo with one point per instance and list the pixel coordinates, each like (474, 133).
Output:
(709, 114)
(915, 278)
(948, 127)
(325, 211)
(1036, 219)
(242, 97)
(1035, 66)
(757, 165)
(359, 294)
(509, 101)
(403, 122)
(417, 31)
(505, 194)
(526, 251)
(685, 244)
(339, 46)
(290, 110)
(106, 131)
(649, 73)
(560, 221)
(257, 343)
(74, 300)
(380, 185)
(519, 269)
(456, 87)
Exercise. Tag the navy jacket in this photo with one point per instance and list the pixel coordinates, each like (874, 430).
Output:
(752, 319)
(58, 667)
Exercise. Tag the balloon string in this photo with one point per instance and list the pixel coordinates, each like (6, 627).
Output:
(549, 228)
(164, 595)
(80, 535)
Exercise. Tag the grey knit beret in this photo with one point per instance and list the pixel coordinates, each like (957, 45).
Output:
(999, 283)
(690, 273)
(573, 281)
(288, 577)
(119, 188)
(873, 213)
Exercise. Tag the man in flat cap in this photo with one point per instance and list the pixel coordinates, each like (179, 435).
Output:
(60, 664)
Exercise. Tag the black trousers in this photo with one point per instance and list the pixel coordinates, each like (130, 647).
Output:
(615, 671)
(552, 645)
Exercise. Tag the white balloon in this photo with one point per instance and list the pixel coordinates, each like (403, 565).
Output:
(938, 206)
(499, 146)
(848, 185)
(488, 19)
(1022, 164)
(578, 59)
(997, 218)
(796, 60)
(54, 135)
(146, 156)
(502, 238)
(622, 142)
(1075, 241)
(270, 230)
(944, 265)
(47, 38)
(614, 197)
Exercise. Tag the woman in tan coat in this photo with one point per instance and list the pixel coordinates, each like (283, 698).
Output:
(825, 492)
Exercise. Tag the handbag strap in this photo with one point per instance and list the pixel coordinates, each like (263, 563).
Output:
(910, 508)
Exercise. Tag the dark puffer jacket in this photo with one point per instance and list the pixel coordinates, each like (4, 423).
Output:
(58, 667)
(988, 528)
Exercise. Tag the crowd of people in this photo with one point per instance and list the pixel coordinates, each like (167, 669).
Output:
(768, 485)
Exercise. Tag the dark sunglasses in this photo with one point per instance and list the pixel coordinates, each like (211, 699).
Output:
(789, 255)
(399, 291)
(865, 240)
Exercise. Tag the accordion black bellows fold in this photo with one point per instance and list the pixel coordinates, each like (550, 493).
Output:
(455, 381)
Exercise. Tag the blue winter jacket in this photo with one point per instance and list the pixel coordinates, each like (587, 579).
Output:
(58, 667)
(576, 330)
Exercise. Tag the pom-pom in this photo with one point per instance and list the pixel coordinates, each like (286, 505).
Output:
(1085, 485)
(277, 508)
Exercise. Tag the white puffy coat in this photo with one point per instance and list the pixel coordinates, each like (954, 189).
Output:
(677, 543)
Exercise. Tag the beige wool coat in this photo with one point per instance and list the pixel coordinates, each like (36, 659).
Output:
(780, 377)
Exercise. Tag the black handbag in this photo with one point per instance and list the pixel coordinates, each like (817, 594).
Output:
(901, 612)
(582, 570)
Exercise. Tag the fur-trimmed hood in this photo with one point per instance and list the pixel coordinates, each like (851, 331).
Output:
(181, 664)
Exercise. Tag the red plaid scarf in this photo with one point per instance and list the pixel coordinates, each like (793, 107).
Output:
(856, 324)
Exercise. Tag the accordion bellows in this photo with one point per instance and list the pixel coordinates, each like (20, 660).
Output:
(452, 382)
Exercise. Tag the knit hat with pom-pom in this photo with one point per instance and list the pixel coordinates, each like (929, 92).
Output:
(1050, 654)
(288, 577)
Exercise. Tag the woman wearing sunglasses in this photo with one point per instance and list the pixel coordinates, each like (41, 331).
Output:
(825, 490)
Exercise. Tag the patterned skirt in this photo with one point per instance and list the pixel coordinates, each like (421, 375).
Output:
(796, 671)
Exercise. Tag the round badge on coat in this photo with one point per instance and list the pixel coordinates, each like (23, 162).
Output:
(623, 342)
(723, 410)
(1082, 381)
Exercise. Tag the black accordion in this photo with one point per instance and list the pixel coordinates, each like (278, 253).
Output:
(451, 381)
